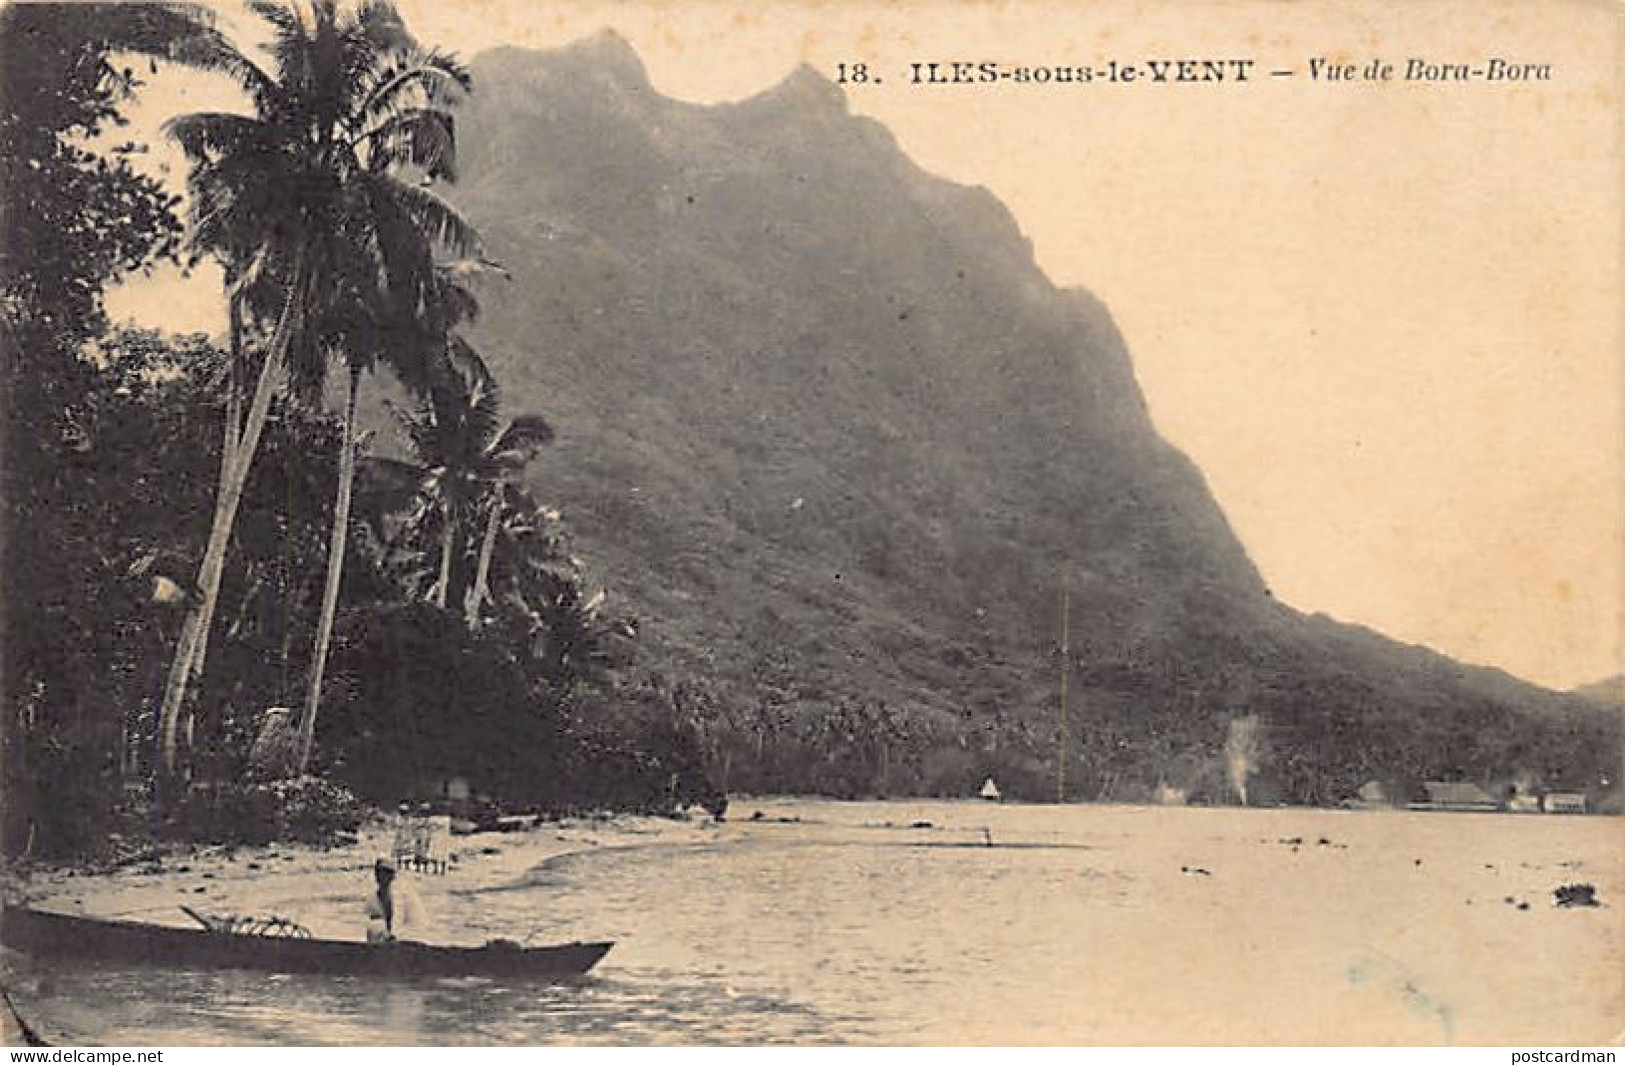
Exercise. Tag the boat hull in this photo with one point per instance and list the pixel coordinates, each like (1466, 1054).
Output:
(52, 935)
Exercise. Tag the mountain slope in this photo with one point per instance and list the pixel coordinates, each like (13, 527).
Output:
(827, 428)
(1610, 690)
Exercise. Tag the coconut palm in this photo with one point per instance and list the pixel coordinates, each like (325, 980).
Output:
(410, 337)
(465, 457)
(319, 202)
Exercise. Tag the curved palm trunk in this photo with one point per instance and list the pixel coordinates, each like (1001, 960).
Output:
(233, 437)
(201, 615)
(335, 574)
(448, 544)
(482, 574)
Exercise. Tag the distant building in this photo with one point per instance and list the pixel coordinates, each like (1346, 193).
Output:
(1564, 802)
(1456, 795)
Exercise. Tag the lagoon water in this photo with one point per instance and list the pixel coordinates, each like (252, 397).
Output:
(899, 923)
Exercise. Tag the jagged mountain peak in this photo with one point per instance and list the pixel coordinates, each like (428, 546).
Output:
(805, 90)
(605, 56)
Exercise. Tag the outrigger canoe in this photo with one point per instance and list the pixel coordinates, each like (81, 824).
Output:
(57, 935)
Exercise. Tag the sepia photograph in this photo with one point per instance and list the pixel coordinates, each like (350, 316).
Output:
(824, 523)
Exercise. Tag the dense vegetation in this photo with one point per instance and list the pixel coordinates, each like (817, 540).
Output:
(466, 641)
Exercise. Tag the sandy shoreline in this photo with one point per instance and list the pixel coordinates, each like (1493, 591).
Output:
(932, 922)
(324, 889)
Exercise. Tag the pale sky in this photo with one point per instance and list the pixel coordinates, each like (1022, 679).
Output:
(1383, 318)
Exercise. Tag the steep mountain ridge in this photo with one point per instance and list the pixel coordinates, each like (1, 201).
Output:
(828, 428)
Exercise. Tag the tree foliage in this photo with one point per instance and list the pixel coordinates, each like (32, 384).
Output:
(318, 204)
(97, 581)
(76, 217)
(516, 705)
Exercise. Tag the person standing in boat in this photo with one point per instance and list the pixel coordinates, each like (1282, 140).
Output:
(393, 910)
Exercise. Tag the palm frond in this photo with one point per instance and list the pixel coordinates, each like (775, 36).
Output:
(205, 135)
(481, 416)
(464, 359)
(423, 138)
(462, 269)
(435, 217)
(423, 436)
(401, 252)
(524, 436)
(406, 425)
(381, 24)
(415, 78)
(211, 51)
(451, 302)
(291, 49)
(249, 272)
(281, 16)
(152, 29)
(230, 198)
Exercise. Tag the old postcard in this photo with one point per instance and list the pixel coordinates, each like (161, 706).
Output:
(822, 523)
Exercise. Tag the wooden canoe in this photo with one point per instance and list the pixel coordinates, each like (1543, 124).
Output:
(55, 935)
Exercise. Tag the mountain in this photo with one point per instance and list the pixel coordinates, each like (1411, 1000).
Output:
(829, 432)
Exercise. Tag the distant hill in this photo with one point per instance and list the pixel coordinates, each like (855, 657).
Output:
(1611, 691)
(830, 432)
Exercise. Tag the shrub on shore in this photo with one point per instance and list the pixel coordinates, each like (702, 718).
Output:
(305, 810)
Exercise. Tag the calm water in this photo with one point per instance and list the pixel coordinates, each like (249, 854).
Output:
(1077, 925)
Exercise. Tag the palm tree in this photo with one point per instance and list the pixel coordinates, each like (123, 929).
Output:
(310, 201)
(466, 455)
(410, 336)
